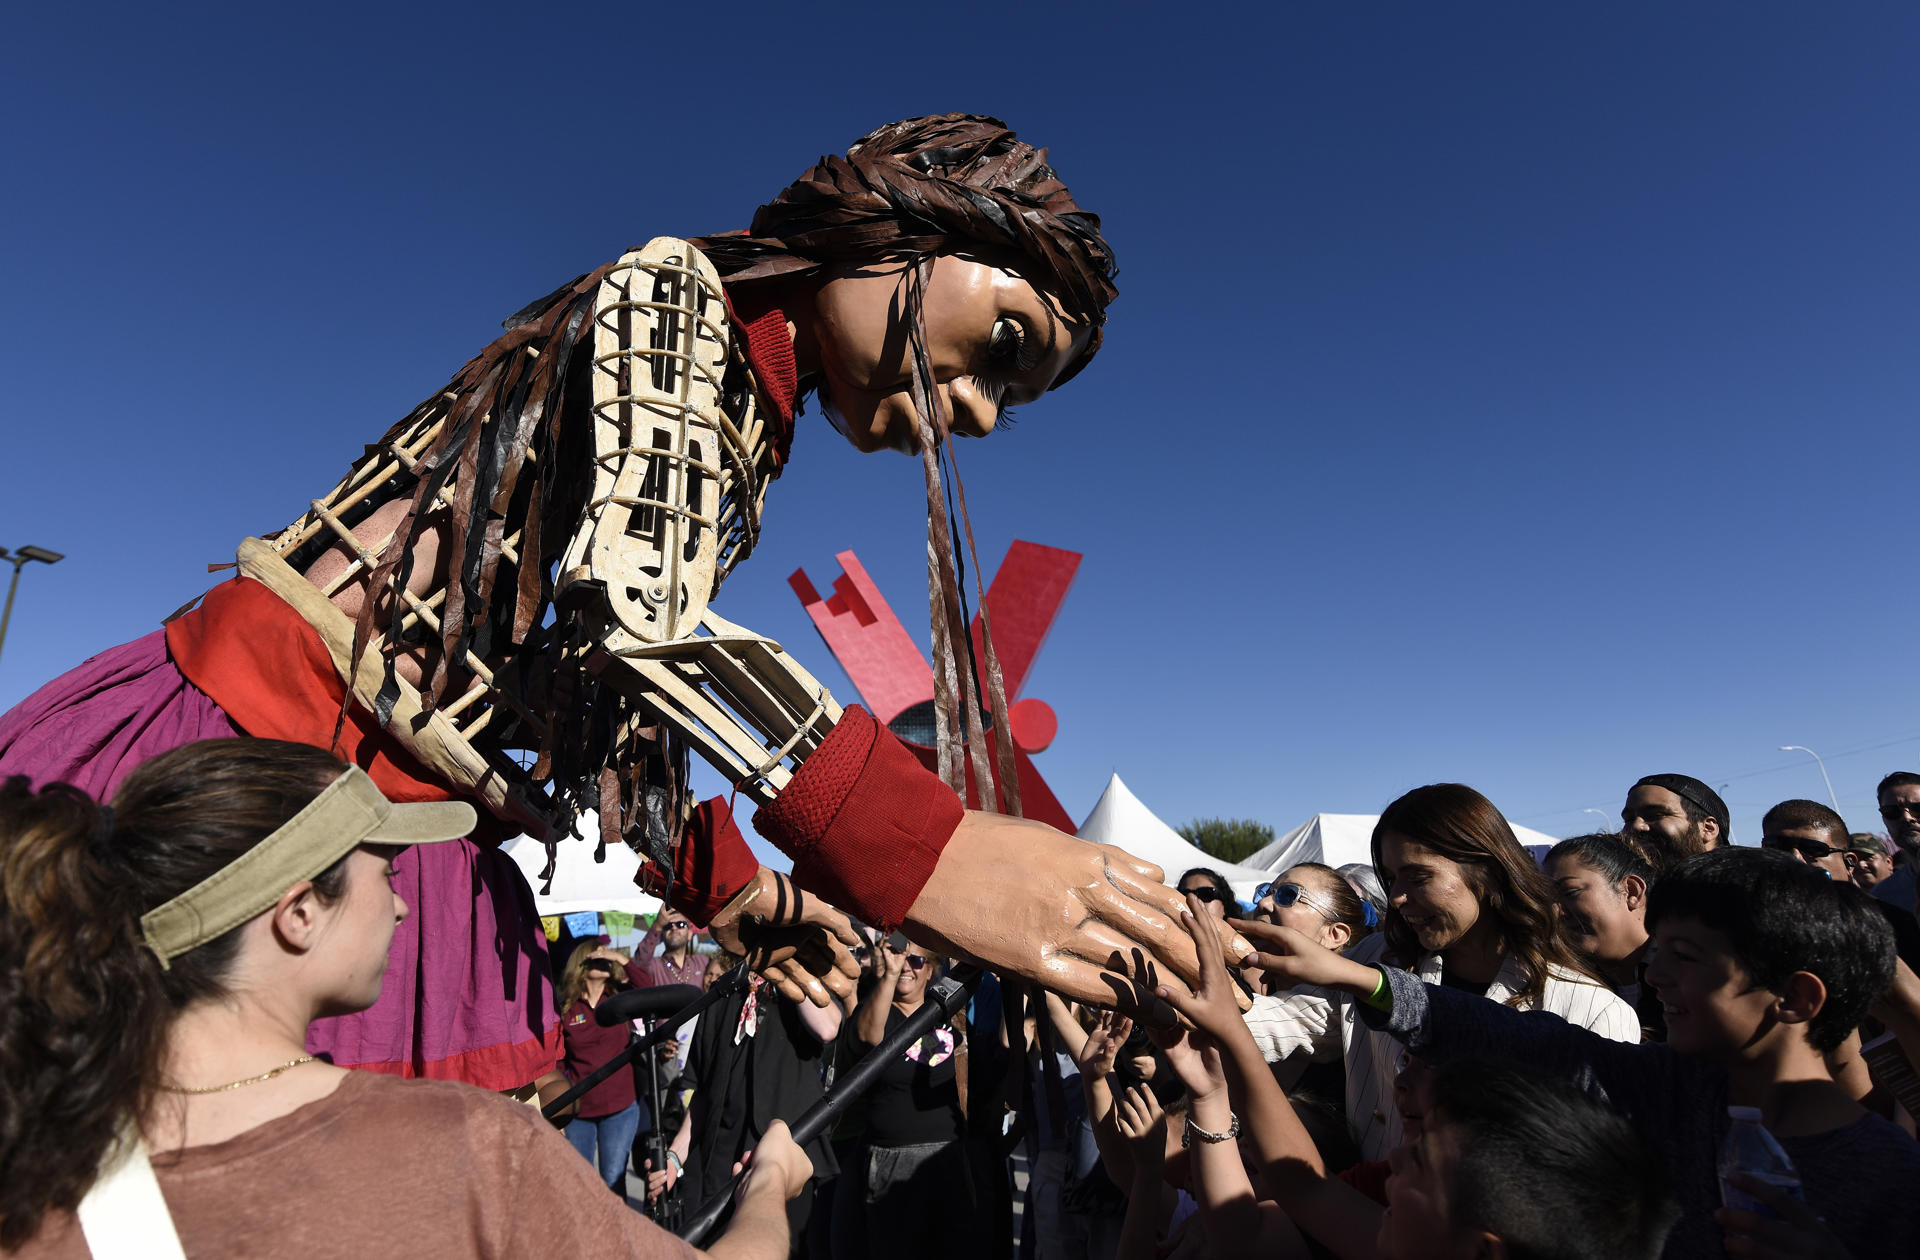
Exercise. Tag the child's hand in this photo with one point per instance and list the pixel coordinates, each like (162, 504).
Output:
(1195, 1059)
(1144, 1125)
(1294, 958)
(1214, 1007)
(1097, 1056)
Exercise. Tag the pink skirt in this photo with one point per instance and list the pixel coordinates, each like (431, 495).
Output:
(468, 994)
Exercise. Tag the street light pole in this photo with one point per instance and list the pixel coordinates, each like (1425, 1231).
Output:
(16, 559)
(1823, 771)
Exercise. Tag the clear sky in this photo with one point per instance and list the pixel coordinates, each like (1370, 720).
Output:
(1515, 394)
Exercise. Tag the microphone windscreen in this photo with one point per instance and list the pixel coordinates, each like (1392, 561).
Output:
(661, 999)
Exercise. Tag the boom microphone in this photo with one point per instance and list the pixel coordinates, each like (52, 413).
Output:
(661, 999)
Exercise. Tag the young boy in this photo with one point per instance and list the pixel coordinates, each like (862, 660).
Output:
(1762, 965)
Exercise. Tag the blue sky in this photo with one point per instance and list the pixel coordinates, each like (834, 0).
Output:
(1516, 394)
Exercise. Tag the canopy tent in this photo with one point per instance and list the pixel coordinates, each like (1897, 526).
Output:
(1119, 819)
(1338, 839)
(579, 882)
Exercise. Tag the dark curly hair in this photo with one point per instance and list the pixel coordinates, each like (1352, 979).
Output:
(84, 1006)
(938, 184)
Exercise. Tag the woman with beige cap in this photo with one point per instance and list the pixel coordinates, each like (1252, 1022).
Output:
(160, 961)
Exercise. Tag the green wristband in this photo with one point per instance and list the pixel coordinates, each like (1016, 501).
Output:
(1381, 999)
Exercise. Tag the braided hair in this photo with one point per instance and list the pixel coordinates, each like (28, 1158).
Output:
(939, 184)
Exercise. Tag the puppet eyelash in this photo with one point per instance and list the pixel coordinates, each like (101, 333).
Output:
(994, 390)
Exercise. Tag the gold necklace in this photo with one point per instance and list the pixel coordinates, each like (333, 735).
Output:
(267, 1075)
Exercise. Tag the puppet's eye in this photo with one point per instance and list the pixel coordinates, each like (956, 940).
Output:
(1006, 346)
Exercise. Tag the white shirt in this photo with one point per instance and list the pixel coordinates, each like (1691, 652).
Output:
(1323, 1025)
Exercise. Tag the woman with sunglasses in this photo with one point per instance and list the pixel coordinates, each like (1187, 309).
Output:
(602, 1124)
(160, 964)
(914, 1167)
(1211, 887)
(1314, 899)
(1467, 908)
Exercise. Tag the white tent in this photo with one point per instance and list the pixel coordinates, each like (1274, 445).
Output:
(1338, 839)
(1119, 819)
(580, 883)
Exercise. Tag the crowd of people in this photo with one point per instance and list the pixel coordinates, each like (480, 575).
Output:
(1462, 1048)
(1461, 1041)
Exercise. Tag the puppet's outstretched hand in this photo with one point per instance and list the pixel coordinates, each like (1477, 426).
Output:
(793, 938)
(1019, 896)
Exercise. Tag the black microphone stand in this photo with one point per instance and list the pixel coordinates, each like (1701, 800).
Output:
(729, 983)
(665, 1210)
(944, 997)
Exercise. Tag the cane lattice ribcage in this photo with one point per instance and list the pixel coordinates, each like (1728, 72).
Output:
(681, 468)
(680, 461)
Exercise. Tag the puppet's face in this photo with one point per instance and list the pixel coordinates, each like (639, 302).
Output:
(994, 341)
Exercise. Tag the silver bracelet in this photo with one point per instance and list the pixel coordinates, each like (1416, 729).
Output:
(1195, 1131)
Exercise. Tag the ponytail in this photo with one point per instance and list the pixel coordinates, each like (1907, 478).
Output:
(84, 1006)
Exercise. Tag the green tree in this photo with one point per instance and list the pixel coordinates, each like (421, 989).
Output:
(1231, 840)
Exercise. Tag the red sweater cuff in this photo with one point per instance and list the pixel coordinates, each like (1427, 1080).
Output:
(711, 866)
(863, 821)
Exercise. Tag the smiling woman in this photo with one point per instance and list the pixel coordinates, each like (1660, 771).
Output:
(1467, 908)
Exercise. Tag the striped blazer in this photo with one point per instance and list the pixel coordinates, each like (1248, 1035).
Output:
(1320, 1024)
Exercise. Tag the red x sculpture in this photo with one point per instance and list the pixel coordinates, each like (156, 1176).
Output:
(896, 683)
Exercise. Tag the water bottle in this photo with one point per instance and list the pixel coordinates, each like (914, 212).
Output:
(1750, 1149)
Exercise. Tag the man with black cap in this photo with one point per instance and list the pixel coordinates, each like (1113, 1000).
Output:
(1671, 816)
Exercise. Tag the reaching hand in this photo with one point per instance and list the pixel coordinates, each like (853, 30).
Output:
(1144, 1124)
(1194, 1058)
(1097, 1056)
(1213, 1006)
(1021, 897)
(1295, 958)
(797, 941)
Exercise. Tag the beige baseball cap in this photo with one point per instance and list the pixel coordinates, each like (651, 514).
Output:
(350, 812)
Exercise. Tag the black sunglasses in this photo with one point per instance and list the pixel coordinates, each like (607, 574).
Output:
(1206, 892)
(1813, 850)
(669, 927)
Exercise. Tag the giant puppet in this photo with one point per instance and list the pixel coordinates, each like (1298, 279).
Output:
(508, 598)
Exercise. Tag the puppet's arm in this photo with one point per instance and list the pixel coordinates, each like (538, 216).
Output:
(680, 478)
(680, 462)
